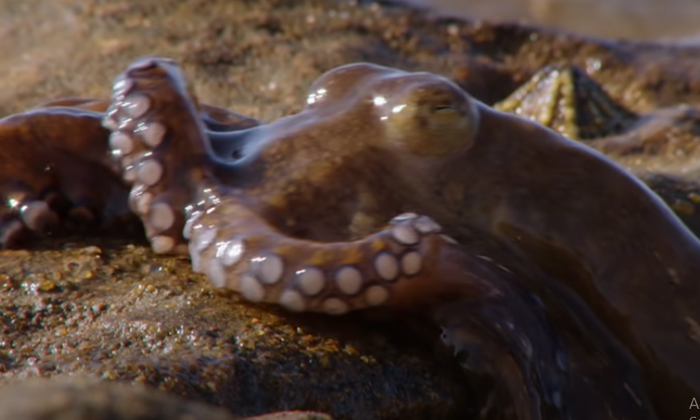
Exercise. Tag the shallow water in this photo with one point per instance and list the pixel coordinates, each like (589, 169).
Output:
(645, 19)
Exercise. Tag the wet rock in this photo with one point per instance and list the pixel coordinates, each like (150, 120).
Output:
(84, 398)
(117, 312)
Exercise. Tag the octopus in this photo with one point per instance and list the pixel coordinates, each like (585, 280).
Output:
(541, 264)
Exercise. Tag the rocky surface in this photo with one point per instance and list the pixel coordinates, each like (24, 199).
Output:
(91, 399)
(118, 312)
(110, 309)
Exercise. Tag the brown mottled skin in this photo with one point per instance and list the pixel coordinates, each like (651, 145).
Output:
(570, 283)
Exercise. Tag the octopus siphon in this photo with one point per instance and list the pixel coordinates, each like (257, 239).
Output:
(546, 266)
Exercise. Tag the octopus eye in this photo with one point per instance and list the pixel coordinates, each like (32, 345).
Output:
(436, 119)
(445, 114)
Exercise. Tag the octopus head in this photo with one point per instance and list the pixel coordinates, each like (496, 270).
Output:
(423, 113)
(372, 142)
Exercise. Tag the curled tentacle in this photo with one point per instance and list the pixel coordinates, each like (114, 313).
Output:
(55, 169)
(159, 141)
(495, 328)
(506, 337)
(537, 367)
(167, 146)
(400, 265)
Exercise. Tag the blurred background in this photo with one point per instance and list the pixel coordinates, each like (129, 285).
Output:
(645, 19)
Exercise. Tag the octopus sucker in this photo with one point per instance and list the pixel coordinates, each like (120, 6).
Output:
(548, 267)
(248, 255)
(140, 142)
